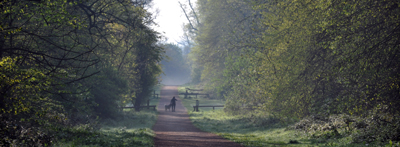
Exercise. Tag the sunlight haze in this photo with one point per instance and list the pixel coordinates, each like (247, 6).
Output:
(170, 18)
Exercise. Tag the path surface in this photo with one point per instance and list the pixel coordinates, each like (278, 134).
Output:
(176, 129)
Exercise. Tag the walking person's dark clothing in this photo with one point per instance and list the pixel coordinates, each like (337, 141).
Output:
(173, 103)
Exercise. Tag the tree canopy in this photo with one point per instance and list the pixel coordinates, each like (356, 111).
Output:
(67, 62)
(300, 58)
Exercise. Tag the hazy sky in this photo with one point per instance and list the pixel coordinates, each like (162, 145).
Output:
(170, 18)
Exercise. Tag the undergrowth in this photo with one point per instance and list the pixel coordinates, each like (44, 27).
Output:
(377, 128)
(124, 128)
(248, 130)
(131, 129)
(261, 129)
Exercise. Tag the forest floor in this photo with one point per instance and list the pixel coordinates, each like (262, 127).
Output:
(176, 129)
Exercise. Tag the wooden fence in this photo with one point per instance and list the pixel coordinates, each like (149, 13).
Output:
(192, 93)
(196, 107)
(148, 106)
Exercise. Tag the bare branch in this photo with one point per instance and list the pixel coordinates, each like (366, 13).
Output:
(187, 17)
(194, 12)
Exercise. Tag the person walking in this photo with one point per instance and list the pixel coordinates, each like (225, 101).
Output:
(173, 103)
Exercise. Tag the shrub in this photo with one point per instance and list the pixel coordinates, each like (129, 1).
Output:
(377, 126)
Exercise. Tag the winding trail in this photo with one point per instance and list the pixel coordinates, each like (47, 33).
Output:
(176, 129)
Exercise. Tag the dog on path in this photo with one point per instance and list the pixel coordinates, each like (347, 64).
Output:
(168, 107)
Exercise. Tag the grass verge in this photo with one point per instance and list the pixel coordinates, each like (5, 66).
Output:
(129, 129)
(256, 129)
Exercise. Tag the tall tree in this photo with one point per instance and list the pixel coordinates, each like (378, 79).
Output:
(54, 54)
(289, 59)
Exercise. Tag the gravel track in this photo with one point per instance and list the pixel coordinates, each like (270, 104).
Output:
(176, 129)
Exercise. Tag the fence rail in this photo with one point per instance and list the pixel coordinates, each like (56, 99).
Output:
(196, 108)
(154, 107)
(191, 93)
(148, 106)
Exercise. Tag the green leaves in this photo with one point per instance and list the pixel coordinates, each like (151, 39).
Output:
(302, 57)
(55, 54)
(21, 88)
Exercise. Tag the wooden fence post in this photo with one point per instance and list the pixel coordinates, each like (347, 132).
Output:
(197, 105)
(148, 103)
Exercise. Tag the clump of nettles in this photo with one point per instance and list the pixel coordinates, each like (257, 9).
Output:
(16, 133)
(377, 126)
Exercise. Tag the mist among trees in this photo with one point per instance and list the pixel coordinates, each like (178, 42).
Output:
(300, 59)
(68, 64)
(65, 63)
(176, 70)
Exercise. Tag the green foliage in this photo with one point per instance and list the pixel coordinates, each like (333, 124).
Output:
(176, 70)
(248, 130)
(129, 129)
(330, 68)
(24, 101)
(196, 74)
(295, 59)
(378, 128)
(260, 129)
(67, 63)
(20, 87)
(225, 34)
(17, 133)
(107, 90)
(291, 61)
(140, 137)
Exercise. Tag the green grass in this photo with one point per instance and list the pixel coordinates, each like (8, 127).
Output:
(129, 129)
(254, 129)
(132, 129)
(238, 129)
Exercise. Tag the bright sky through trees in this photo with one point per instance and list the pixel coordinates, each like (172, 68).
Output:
(170, 18)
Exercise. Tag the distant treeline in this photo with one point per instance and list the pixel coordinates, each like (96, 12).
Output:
(66, 62)
(296, 58)
(175, 69)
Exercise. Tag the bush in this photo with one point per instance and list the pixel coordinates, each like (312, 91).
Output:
(16, 133)
(378, 126)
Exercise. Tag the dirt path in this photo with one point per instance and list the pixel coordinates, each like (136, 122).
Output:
(176, 129)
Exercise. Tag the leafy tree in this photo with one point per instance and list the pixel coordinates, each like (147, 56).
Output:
(225, 30)
(66, 62)
(287, 58)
